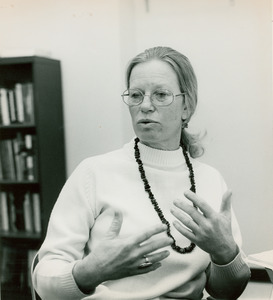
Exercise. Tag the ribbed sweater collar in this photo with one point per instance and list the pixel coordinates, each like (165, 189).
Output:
(160, 158)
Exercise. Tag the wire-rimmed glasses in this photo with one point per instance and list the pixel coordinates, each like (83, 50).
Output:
(159, 97)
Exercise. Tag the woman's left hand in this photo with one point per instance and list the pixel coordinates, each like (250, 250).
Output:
(209, 230)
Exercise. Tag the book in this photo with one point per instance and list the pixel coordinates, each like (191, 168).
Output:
(30, 158)
(18, 158)
(30, 168)
(19, 164)
(12, 211)
(19, 206)
(12, 106)
(36, 212)
(7, 159)
(28, 215)
(19, 102)
(4, 107)
(4, 212)
(27, 90)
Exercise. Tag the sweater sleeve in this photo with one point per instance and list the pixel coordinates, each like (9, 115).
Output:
(68, 232)
(228, 281)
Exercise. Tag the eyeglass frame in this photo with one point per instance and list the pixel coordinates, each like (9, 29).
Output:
(143, 96)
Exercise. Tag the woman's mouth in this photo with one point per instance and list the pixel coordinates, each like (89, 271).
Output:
(146, 121)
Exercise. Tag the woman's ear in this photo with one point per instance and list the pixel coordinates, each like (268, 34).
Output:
(185, 110)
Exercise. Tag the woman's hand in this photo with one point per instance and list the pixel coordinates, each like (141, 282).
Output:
(209, 230)
(115, 257)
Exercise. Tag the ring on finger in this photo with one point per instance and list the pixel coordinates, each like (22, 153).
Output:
(146, 263)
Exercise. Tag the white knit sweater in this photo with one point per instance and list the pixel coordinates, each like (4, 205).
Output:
(84, 210)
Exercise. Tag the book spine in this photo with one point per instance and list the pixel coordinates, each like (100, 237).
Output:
(28, 216)
(29, 157)
(12, 212)
(4, 212)
(4, 107)
(17, 159)
(36, 212)
(27, 89)
(7, 159)
(19, 102)
(12, 106)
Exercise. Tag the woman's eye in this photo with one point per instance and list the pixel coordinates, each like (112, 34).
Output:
(135, 95)
(161, 95)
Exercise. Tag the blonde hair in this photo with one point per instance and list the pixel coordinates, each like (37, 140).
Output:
(187, 83)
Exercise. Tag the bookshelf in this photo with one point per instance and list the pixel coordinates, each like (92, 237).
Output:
(32, 163)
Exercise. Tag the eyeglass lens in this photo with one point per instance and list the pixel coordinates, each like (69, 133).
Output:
(159, 97)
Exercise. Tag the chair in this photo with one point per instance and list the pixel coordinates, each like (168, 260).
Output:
(34, 294)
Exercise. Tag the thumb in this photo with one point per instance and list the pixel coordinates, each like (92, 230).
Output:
(115, 226)
(226, 202)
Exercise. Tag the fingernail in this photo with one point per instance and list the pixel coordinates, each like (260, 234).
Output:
(175, 201)
(187, 193)
(164, 227)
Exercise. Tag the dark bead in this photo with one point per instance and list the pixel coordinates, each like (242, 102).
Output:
(153, 200)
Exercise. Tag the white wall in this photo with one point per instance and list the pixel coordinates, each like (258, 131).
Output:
(230, 45)
(85, 37)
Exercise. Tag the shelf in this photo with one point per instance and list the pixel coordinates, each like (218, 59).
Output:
(32, 147)
(7, 131)
(20, 235)
(12, 182)
(17, 126)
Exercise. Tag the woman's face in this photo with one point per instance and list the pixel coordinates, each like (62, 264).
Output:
(157, 126)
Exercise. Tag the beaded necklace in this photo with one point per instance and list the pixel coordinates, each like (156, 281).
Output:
(153, 200)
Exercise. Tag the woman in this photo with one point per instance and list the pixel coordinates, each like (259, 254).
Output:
(146, 221)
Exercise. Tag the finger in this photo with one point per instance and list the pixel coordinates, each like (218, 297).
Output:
(115, 226)
(184, 231)
(154, 245)
(154, 258)
(226, 202)
(200, 203)
(185, 219)
(153, 267)
(144, 236)
(187, 209)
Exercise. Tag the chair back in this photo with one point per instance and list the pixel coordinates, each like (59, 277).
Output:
(34, 294)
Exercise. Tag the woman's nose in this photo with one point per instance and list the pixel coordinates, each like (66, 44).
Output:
(147, 103)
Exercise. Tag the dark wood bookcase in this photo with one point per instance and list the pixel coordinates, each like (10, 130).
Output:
(32, 157)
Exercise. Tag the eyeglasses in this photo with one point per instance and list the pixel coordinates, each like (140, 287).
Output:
(159, 97)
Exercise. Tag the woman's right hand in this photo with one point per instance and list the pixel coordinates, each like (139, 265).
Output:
(115, 257)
